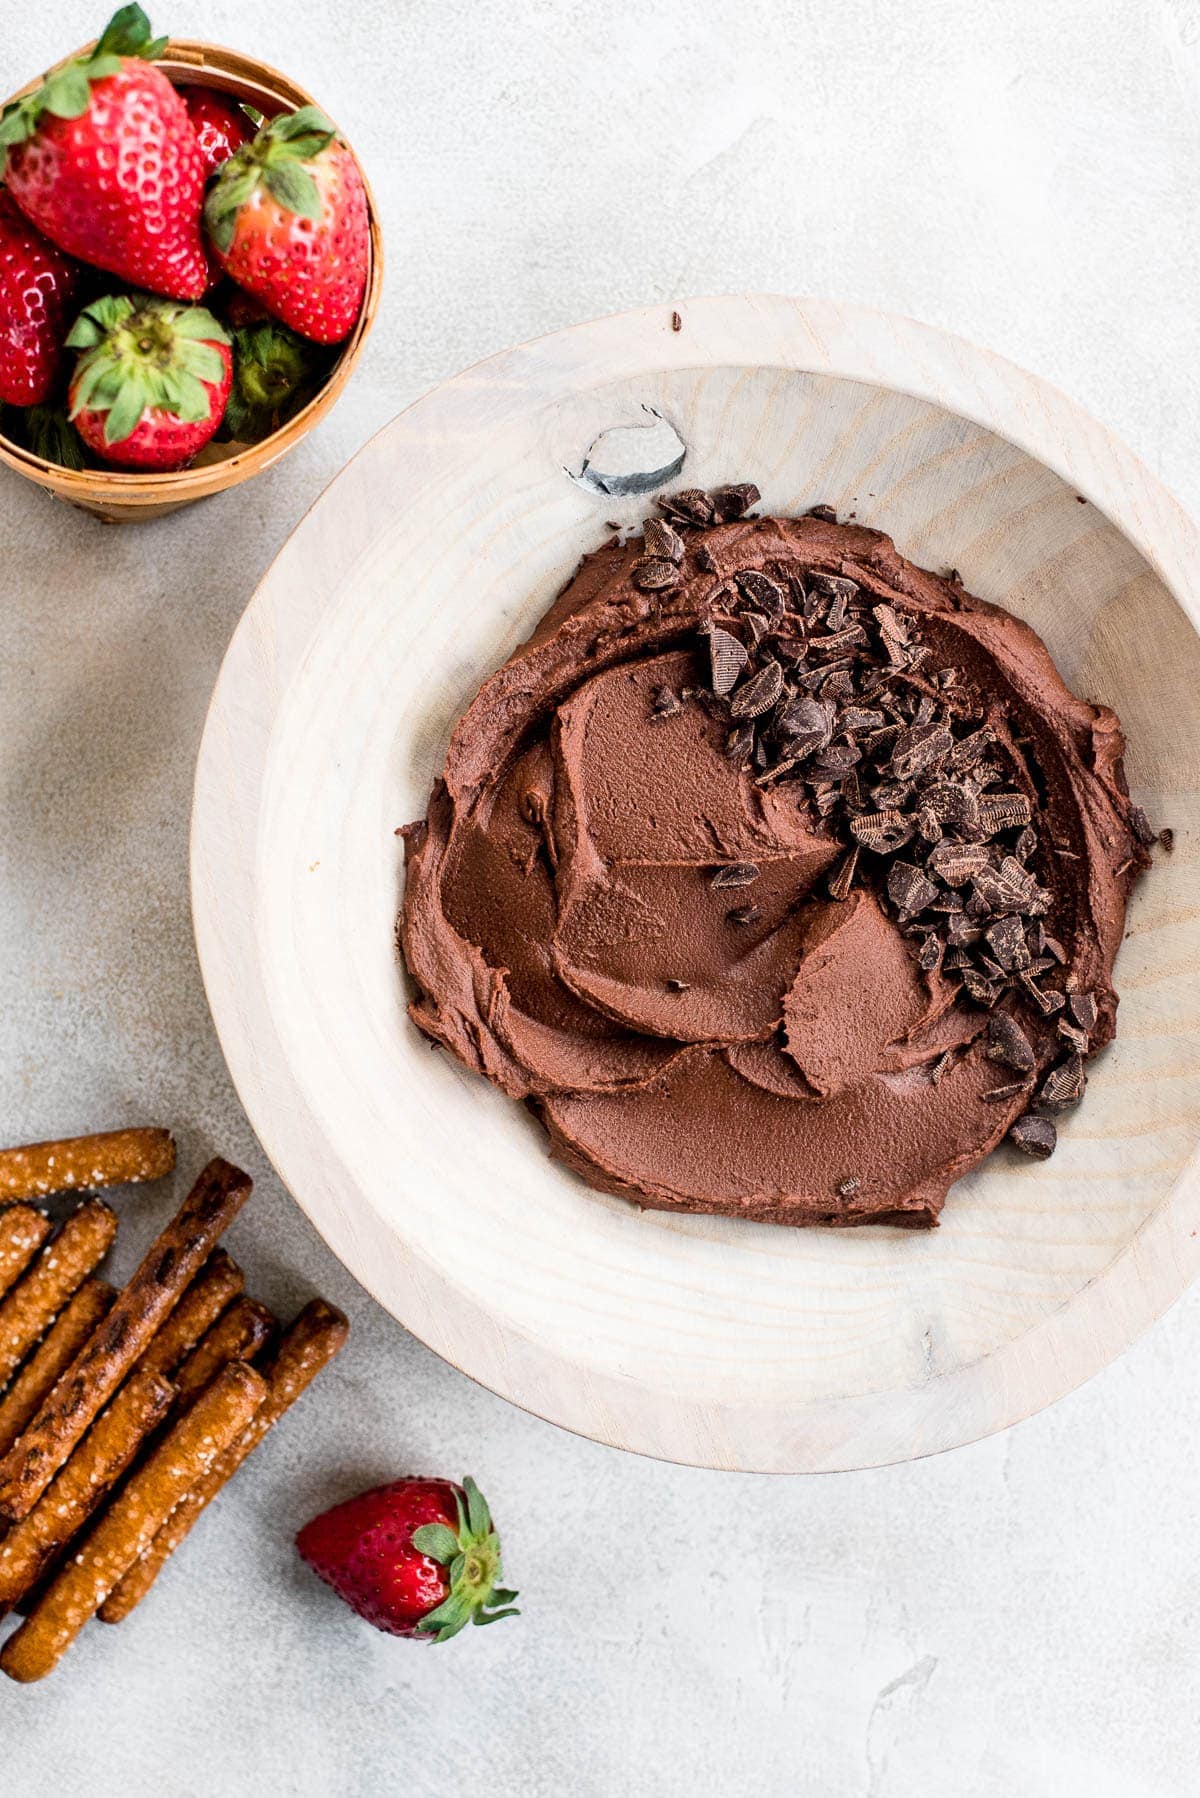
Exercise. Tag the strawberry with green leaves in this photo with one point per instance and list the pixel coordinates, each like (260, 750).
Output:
(150, 386)
(287, 217)
(102, 158)
(275, 372)
(417, 1558)
(37, 286)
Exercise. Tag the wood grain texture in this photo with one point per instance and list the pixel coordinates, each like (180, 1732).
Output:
(701, 1340)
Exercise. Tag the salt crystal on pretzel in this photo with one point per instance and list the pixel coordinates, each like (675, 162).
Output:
(99, 1461)
(216, 1285)
(114, 1158)
(237, 1335)
(314, 1339)
(121, 1339)
(67, 1335)
(22, 1233)
(130, 1523)
(61, 1268)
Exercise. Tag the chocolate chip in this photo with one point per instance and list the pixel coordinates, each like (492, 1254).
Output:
(1035, 1136)
(1007, 1042)
(727, 656)
(661, 540)
(651, 574)
(1143, 830)
(735, 874)
(759, 693)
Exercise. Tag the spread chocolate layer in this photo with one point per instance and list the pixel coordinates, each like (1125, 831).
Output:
(780, 877)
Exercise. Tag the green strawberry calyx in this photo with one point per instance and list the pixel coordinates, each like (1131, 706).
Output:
(275, 371)
(143, 352)
(274, 159)
(66, 92)
(471, 1557)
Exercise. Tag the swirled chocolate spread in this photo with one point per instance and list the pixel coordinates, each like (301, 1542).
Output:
(779, 876)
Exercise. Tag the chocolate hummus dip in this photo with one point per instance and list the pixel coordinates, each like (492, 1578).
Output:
(779, 877)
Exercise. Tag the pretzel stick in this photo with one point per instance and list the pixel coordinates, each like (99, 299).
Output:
(218, 1282)
(61, 1268)
(126, 1332)
(58, 1349)
(128, 1526)
(22, 1233)
(236, 1336)
(99, 1461)
(116, 1158)
(313, 1340)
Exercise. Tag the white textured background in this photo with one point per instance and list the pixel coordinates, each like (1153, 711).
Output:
(1014, 1620)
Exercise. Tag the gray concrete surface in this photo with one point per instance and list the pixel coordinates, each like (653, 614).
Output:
(1014, 1620)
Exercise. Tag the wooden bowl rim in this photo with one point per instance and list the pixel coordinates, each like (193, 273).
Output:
(123, 488)
(1060, 1350)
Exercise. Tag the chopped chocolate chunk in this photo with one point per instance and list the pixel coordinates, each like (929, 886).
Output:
(661, 540)
(1006, 939)
(940, 1066)
(1166, 837)
(740, 743)
(908, 889)
(734, 502)
(665, 704)
(759, 693)
(727, 658)
(735, 874)
(1143, 830)
(1007, 1042)
(1003, 811)
(679, 986)
(979, 987)
(760, 591)
(847, 1187)
(842, 879)
(930, 958)
(1084, 1009)
(920, 749)
(998, 1094)
(1063, 1085)
(826, 513)
(690, 506)
(652, 573)
(1071, 1033)
(1035, 1136)
(882, 831)
(957, 863)
(744, 914)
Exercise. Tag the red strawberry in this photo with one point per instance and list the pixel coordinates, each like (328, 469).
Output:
(37, 285)
(150, 388)
(220, 124)
(287, 217)
(104, 161)
(416, 1558)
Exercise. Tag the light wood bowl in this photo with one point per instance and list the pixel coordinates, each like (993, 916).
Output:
(128, 498)
(698, 1339)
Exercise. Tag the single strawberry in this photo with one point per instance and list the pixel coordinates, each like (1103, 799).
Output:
(220, 124)
(275, 372)
(415, 1558)
(104, 161)
(287, 217)
(37, 286)
(150, 388)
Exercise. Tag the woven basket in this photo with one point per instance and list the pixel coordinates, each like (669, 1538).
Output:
(125, 498)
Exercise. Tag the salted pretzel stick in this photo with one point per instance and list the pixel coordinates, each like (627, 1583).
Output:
(60, 1270)
(313, 1340)
(215, 1286)
(22, 1233)
(116, 1158)
(129, 1525)
(69, 1332)
(126, 1332)
(101, 1458)
(237, 1335)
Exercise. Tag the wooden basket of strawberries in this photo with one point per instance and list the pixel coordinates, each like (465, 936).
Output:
(190, 262)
